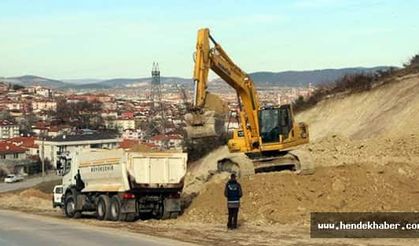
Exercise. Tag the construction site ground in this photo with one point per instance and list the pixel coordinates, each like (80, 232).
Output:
(366, 154)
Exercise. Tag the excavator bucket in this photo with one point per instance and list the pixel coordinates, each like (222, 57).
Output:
(210, 122)
(202, 125)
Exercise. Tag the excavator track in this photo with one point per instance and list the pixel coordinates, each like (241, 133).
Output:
(297, 161)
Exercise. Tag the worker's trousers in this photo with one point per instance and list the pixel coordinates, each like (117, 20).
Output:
(232, 218)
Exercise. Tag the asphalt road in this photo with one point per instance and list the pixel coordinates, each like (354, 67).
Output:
(26, 183)
(20, 229)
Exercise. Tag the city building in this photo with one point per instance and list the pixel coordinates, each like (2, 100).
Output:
(9, 151)
(8, 129)
(44, 105)
(121, 124)
(42, 91)
(52, 147)
(172, 141)
(27, 143)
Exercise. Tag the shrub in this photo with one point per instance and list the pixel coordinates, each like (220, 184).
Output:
(348, 84)
(413, 63)
(354, 83)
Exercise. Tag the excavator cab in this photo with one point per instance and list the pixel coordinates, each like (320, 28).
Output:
(275, 122)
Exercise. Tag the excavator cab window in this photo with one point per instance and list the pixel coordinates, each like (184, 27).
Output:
(269, 120)
(274, 122)
(286, 120)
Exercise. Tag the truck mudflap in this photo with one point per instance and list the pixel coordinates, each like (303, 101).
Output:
(172, 205)
(171, 209)
(129, 206)
(80, 201)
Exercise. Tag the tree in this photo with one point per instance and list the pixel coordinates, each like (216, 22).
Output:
(17, 87)
(5, 115)
(27, 122)
(81, 114)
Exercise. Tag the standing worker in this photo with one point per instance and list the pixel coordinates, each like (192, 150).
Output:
(233, 193)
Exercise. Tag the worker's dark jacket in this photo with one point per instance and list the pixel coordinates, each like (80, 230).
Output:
(233, 192)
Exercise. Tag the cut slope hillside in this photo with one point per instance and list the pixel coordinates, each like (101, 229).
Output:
(388, 110)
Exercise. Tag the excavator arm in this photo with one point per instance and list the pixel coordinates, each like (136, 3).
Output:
(211, 56)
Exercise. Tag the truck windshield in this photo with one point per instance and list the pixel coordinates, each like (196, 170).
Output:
(59, 190)
(64, 165)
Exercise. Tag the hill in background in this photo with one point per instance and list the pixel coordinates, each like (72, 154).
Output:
(302, 78)
(31, 80)
(287, 78)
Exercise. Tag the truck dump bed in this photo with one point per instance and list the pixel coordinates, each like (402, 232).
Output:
(157, 170)
(118, 171)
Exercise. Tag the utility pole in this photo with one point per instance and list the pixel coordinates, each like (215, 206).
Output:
(157, 105)
(43, 157)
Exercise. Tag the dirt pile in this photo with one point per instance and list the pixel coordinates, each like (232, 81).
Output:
(215, 103)
(287, 198)
(28, 200)
(359, 175)
(199, 173)
(141, 148)
(337, 150)
(35, 193)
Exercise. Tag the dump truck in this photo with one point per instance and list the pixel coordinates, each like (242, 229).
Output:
(120, 185)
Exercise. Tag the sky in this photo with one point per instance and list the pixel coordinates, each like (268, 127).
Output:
(103, 39)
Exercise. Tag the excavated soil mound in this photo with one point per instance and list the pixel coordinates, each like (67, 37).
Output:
(288, 198)
(199, 173)
(35, 193)
(215, 103)
(337, 150)
(30, 200)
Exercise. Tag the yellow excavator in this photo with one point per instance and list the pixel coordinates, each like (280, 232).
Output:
(267, 135)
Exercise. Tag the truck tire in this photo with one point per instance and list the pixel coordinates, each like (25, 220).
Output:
(115, 208)
(70, 207)
(103, 208)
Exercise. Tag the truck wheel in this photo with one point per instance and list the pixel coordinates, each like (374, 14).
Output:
(70, 207)
(103, 208)
(115, 212)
